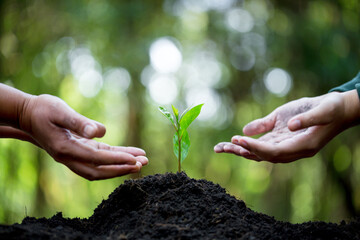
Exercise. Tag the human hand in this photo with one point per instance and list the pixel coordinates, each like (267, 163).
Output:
(297, 129)
(67, 137)
(11, 132)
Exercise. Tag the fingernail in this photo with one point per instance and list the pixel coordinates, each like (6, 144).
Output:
(235, 140)
(217, 148)
(139, 164)
(146, 161)
(89, 131)
(295, 124)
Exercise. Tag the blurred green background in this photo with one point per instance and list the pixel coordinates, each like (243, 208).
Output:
(116, 61)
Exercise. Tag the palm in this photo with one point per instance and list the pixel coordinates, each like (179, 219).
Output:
(280, 131)
(279, 143)
(295, 130)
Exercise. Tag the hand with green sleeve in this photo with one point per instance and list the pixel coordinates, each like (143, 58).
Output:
(297, 129)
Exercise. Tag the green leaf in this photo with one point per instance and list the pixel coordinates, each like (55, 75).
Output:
(167, 114)
(176, 145)
(185, 145)
(189, 117)
(176, 113)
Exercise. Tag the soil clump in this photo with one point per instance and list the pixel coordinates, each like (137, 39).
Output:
(174, 206)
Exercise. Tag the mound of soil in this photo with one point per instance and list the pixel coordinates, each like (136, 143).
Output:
(174, 206)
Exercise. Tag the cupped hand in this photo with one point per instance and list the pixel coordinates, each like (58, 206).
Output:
(297, 129)
(67, 137)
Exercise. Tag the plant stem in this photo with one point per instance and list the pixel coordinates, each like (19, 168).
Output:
(179, 158)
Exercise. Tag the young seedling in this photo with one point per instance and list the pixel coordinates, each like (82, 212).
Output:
(181, 140)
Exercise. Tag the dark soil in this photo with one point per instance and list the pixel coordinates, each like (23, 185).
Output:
(173, 206)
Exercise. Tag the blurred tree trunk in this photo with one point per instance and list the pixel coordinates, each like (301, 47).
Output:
(136, 13)
(40, 201)
(136, 106)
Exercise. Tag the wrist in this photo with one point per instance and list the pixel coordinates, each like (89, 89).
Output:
(12, 102)
(351, 107)
(25, 110)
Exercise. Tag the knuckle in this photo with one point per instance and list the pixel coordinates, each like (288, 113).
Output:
(72, 122)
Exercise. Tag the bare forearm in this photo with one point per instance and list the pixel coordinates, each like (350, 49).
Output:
(12, 102)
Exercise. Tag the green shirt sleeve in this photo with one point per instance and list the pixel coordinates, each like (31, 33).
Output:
(351, 85)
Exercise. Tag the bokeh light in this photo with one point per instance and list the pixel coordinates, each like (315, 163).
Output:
(163, 88)
(278, 81)
(165, 56)
(202, 69)
(206, 5)
(204, 95)
(117, 79)
(90, 83)
(243, 58)
(240, 20)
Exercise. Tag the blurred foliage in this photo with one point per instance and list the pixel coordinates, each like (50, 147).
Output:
(96, 55)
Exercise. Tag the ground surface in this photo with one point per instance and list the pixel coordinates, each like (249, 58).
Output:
(173, 206)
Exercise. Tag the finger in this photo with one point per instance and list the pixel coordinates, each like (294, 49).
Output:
(131, 150)
(91, 172)
(235, 149)
(103, 146)
(239, 151)
(259, 126)
(261, 149)
(142, 159)
(74, 150)
(232, 148)
(319, 115)
(219, 148)
(83, 126)
(286, 151)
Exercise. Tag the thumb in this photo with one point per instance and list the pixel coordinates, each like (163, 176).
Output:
(79, 124)
(316, 116)
(259, 126)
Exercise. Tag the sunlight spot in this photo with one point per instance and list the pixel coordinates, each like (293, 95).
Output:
(240, 20)
(81, 61)
(243, 58)
(342, 158)
(203, 69)
(146, 74)
(165, 56)
(278, 81)
(163, 88)
(206, 5)
(117, 79)
(208, 96)
(255, 42)
(90, 83)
